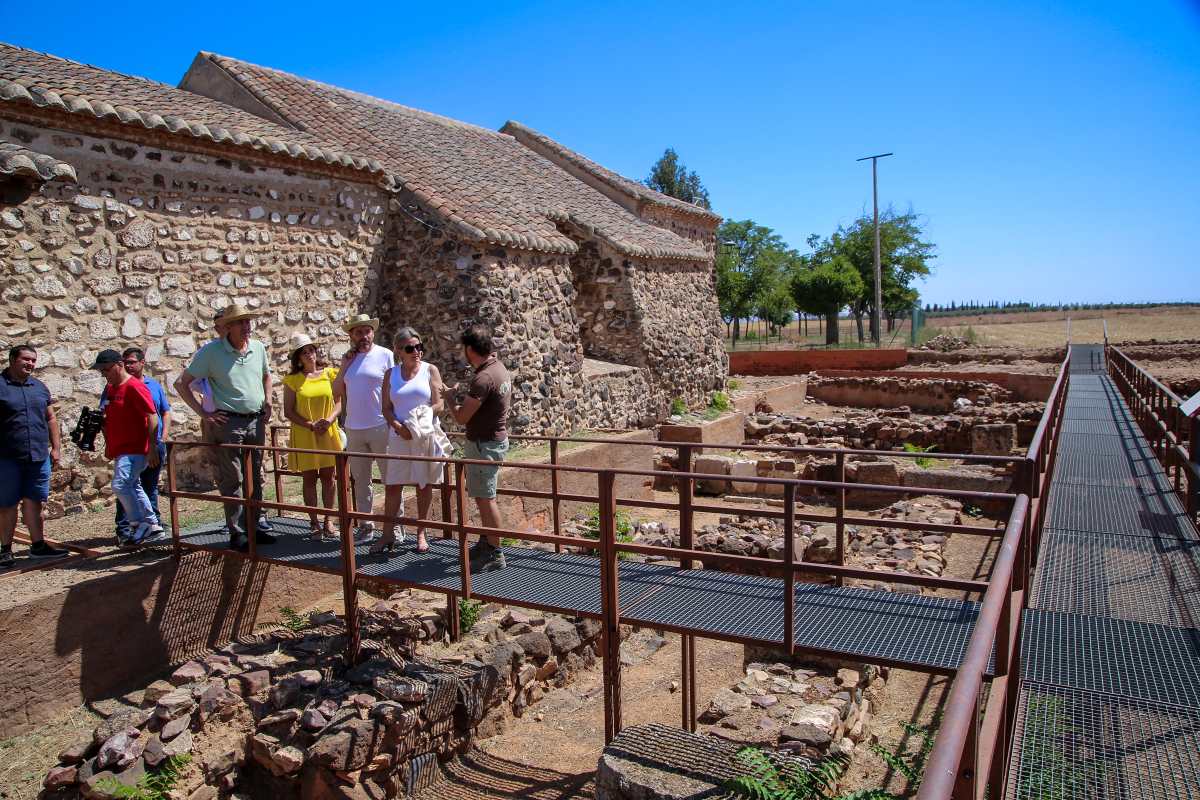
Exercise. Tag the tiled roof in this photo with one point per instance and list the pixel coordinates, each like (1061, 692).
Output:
(481, 183)
(37, 79)
(19, 160)
(638, 192)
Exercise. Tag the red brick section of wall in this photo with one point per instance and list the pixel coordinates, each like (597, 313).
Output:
(1024, 385)
(112, 633)
(796, 362)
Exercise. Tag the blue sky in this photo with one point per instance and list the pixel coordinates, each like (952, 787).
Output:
(1053, 148)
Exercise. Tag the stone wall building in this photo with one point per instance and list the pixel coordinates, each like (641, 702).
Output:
(132, 211)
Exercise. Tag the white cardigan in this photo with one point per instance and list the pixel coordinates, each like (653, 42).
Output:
(428, 440)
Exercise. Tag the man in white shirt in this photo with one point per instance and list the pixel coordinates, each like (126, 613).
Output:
(359, 383)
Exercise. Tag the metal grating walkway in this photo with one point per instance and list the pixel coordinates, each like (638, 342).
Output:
(896, 628)
(1109, 704)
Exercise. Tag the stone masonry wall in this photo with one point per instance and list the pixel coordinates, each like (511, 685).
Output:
(605, 307)
(149, 244)
(439, 286)
(680, 329)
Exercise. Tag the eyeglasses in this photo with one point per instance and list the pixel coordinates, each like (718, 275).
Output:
(414, 348)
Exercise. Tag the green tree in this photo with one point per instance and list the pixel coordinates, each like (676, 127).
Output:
(904, 257)
(672, 178)
(749, 258)
(826, 287)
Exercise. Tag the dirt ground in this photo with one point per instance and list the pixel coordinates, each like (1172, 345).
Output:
(1049, 328)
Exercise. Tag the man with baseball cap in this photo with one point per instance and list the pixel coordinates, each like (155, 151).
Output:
(359, 383)
(238, 373)
(131, 441)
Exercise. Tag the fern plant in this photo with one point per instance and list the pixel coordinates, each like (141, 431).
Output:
(156, 785)
(910, 765)
(772, 777)
(292, 619)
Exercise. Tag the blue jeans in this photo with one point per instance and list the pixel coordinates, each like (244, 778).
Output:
(149, 479)
(127, 487)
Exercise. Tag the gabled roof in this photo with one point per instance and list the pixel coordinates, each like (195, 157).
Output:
(28, 77)
(482, 184)
(18, 160)
(634, 191)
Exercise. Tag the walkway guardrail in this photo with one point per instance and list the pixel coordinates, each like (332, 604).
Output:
(784, 573)
(1174, 436)
(969, 755)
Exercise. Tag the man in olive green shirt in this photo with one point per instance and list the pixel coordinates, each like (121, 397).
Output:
(238, 372)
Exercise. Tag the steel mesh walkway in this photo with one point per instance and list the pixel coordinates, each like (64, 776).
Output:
(1109, 705)
(914, 630)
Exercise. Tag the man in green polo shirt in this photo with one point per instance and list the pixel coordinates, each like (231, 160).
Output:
(238, 373)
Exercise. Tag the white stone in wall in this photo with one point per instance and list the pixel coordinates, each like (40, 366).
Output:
(74, 266)
(210, 255)
(86, 202)
(63, 356)
(86, 305)
(90, 381)
(139, 233)
(102, 329)
(153, 297)
(257, 212)
(131, 326)
(104, 284)
(139, 281)
(59, 385)
(39, 312)
(154, 352)
(225, 279)
(102, 259)
(48, 287)
(24, 244)
(156, 326)
(180, 346)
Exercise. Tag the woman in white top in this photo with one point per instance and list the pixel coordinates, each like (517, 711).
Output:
(413, 382)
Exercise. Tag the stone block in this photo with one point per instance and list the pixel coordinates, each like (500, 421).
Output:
(712, 465)
(994, 440)
(744, 468)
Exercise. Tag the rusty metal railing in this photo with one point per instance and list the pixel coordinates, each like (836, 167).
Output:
(969, 756)
(1174, 436)
(454, 523)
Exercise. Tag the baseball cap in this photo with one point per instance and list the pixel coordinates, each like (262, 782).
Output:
(106, 358)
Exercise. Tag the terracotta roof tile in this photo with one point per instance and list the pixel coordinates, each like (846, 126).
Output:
(483, 184)
(16, 159)
(636, 191)
(45, 81)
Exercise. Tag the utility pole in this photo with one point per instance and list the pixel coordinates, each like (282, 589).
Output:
(876, 317)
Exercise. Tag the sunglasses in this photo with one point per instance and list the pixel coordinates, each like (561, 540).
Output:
(414, 348)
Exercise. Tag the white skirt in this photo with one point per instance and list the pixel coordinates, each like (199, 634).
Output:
(406, 473)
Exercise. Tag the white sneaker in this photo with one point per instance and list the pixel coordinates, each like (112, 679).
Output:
(364, 534)
(156, 537)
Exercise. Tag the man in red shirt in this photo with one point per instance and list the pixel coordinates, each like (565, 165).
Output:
(130, 426)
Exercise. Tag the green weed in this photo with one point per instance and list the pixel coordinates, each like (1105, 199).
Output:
(468, 613)
(924, 463)
(155, 785)
(292, 619)
(678, 407)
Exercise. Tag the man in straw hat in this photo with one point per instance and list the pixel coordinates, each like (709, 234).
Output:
(359, 384)
(239, 376)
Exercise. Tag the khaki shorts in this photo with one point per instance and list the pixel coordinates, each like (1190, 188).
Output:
(481, 480)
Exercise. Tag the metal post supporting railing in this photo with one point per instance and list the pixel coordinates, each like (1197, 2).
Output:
(840, 518)
(789, 564)
(610, 611)
(173, 501)
(460, 501)
(349, 578)
(249, 514)
(277, 468)
(555, 503)
(685, 504)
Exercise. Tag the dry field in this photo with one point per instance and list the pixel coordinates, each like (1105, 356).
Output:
(1049, 328)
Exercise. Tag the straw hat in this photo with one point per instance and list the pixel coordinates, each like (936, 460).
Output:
(360, 319)
(299, 340)
(233, 313)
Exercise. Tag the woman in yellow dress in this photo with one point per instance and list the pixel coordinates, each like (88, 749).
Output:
(311, 407)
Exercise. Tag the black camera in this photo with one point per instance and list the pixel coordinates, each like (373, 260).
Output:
(89, 424)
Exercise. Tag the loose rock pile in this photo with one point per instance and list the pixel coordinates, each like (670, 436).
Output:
(946, 343)
(804, 710)
(282, 716)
